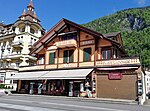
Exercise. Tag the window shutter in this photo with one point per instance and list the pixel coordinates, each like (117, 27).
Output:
(52, 58)
(65, 56)
(87, 54)
(71, 56)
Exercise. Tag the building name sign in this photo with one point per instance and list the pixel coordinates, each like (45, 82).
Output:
(118, 62)
(88, 42)
(115, 76)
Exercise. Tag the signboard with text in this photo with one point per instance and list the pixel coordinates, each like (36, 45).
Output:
(115, 76)
(87, 42)
(117, 62)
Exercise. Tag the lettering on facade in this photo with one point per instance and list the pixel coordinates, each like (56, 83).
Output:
(87, 42)
(67, 65)
(115, 76)
(118, 62)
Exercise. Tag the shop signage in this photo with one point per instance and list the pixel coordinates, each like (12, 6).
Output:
(115, 76)
(118, 62)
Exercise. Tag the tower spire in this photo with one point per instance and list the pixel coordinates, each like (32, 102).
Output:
(29, 14)
(30, 6)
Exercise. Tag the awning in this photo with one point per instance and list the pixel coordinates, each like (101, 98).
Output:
(67, 74)
(35, 75)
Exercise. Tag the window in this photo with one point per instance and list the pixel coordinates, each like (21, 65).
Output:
(87, 54)
(17, 63)
(23, 29)
(68, 56)
(41, 60)
(106, 54)
(52, 58)
(69, 36)
(32, 31)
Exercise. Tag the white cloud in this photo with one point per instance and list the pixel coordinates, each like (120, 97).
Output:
(141, 2)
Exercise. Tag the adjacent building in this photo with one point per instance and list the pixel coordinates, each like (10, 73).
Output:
(16, 42)
(75, 61)
(147, 80)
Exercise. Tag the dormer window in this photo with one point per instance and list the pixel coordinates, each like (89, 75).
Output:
(68, 35)
(32, 31)
(22, 29)
(106, 54)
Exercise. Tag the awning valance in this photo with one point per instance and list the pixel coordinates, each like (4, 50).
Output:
(67, 74)
(28, 75)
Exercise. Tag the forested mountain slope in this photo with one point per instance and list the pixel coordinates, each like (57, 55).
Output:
(134, 25)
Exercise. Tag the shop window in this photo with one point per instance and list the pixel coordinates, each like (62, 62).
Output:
(68, 56)
(106, 54)
(23, 84)
(52, 58)
(87, 54)
(41, 60)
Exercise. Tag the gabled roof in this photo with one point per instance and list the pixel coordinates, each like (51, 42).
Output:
(58, 27)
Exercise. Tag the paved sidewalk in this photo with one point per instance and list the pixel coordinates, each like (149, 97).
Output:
(102, 100)
(147, 102)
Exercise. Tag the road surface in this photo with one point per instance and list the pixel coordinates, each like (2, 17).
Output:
(51, 103)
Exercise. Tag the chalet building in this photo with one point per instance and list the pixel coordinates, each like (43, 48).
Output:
(75, 61)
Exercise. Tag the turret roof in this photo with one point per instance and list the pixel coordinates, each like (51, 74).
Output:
(30, 4)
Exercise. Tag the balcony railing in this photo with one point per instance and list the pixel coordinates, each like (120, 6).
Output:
(30, 43)
(99, 63)
(66, 43)
(9, 66)
(17, 43)
(10, 56)
(37, 67)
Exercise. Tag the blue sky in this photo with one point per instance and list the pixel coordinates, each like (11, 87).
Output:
(79, 11)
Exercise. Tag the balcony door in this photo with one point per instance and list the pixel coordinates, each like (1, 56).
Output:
(68, 56)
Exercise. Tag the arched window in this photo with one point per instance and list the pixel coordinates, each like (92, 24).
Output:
(23, 29)
(32, 31)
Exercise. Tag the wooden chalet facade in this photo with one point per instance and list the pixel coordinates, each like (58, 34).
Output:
(75, 61)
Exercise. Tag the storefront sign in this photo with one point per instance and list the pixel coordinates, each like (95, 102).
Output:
(114, 76)
(118, 62)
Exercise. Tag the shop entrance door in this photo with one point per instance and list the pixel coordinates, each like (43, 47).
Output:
(32, 87)
(76, 88)
(71, 88)
(40, 88)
